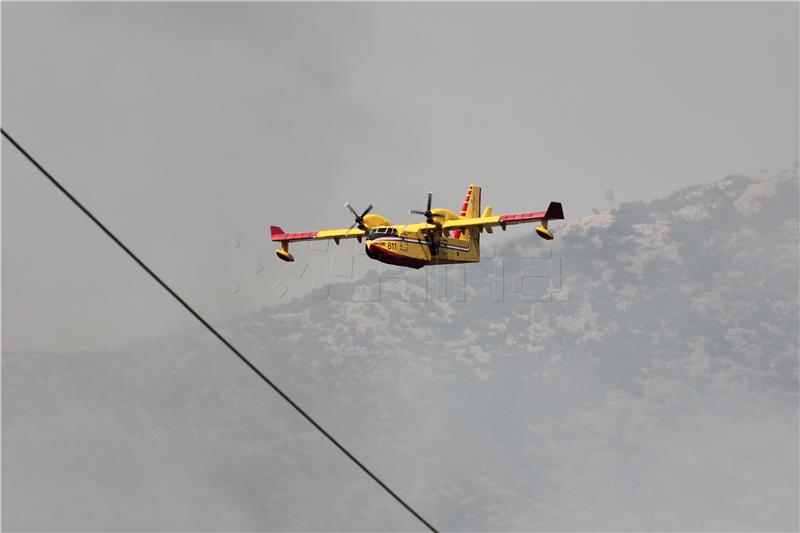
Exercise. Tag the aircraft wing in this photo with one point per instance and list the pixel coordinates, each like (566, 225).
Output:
(279, 235)
(554, 212)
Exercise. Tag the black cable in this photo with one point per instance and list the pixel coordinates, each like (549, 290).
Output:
(216, 333)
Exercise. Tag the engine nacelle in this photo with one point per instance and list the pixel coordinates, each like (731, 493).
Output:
(374, 220)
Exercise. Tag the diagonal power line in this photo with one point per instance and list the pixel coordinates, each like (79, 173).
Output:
(217, 334)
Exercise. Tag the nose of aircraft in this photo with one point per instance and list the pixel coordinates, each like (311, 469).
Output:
(370, 253)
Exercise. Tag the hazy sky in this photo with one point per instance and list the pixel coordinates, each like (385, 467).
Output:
(188, 126)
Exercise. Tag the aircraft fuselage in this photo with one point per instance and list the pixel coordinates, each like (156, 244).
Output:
(416, 250)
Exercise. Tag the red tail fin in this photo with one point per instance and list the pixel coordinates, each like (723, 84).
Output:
(471, 207)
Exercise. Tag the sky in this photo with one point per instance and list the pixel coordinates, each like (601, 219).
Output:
(190, 128)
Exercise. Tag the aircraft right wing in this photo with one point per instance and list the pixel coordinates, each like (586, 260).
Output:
(278, 235)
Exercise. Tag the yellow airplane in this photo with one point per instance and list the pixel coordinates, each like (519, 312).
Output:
(444, 237)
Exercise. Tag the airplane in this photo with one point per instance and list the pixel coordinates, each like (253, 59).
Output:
(444, 237)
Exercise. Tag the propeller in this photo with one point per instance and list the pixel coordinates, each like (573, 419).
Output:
(429, 237)
(359, 218)
(427, 213)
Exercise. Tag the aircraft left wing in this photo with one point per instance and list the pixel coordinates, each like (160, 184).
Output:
(487, 221)
(278, 235)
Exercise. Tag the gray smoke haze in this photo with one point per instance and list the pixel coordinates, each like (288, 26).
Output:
(650, 384)
(640, 372)
(186, 126)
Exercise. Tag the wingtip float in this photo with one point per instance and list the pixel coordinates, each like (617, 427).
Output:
(444, 238)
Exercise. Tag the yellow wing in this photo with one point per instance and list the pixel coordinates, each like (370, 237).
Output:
(279, 235)
(284, 238)
(487, 221)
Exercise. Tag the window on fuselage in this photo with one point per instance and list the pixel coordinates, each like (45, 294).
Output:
(375, 233)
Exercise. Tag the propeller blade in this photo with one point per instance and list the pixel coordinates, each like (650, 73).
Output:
(436, 214)
(430, 198)
(415, 212)
(350, 207)
(367, 210)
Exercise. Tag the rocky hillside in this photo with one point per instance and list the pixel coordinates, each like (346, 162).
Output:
(639, 372)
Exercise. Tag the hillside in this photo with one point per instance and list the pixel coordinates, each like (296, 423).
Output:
(639, 372)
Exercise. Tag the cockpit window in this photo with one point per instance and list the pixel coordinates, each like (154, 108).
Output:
(375, 233)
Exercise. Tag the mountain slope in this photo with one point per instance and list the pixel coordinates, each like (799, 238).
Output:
(639, 372)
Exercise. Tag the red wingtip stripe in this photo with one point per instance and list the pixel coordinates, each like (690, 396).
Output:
(522, 216)
(279, 235)
(275, 230)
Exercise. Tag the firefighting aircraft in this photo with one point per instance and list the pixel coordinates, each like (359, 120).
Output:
(444, 237)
